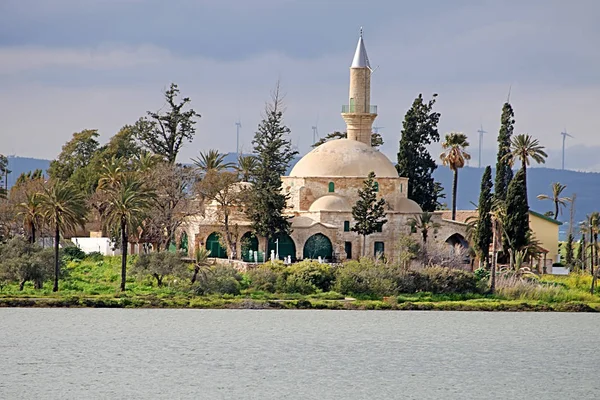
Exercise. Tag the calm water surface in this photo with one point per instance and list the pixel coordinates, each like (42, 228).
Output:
(250, 354)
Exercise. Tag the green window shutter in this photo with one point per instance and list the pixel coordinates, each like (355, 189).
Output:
(331, 187)
(346, 226)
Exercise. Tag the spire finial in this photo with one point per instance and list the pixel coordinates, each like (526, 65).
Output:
(361, 30)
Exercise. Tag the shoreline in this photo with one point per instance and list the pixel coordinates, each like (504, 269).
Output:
(299, 304)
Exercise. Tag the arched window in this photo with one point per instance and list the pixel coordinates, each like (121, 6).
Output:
(331, 187)
(376, 184)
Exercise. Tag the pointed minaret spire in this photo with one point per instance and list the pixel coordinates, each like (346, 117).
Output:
(359, 114)
(361, 60)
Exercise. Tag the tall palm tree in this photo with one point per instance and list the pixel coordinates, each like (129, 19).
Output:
(557, 189)
(425, 224)
(127, 203)
(583, 229)
(454, 156)
(211, 161)
(525, 148)
(246, 167)
(31, 211)
(63, 208)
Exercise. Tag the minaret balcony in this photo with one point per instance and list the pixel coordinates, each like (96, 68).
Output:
(352, 108)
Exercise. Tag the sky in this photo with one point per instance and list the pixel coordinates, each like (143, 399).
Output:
(69, 65)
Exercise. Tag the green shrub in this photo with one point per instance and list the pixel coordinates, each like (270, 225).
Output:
(71, 253)
(482, 273)
(95, 256)
(307, 277)
(222, 279)
(263, 278)
(448, 280)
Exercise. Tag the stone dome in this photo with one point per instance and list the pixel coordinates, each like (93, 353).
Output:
(330, 202)
(344, 158)
(406, 205)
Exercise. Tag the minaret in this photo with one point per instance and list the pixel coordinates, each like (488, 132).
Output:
(359, 114)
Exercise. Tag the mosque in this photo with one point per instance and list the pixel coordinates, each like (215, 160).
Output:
(322, 188)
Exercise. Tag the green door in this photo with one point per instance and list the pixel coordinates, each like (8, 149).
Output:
(213, 244)
(348, 249)
(249, 245)
(318, 245)
(286, 247)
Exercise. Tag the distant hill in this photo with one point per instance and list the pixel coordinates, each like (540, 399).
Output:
(18, 165)
(539, 180)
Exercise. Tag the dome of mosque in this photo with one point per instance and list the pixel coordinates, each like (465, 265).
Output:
(344, 158)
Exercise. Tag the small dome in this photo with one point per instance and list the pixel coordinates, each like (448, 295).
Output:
(406, 205)
(344, 158)
(330, 202)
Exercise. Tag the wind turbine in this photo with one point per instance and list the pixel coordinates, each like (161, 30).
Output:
(315, 130)
(564, 137)
(238, 126)
(481, 132)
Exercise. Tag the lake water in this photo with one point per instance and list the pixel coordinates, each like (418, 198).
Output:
(264, 354)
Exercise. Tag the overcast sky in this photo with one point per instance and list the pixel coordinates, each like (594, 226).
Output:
(68, 65)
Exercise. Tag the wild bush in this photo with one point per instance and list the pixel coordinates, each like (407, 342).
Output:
(24, 262)
(263, 279)
(448, 280)
(73, 252)
(222, 279)
(308, 277)
(159, 265)
(95, 256)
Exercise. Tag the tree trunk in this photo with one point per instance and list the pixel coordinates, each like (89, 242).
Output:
(593, 287)
(229, 238)
(555, 209)
(454, 188)
(56, 260)
(493, 266)
(364, 246)
(158, 279)
(195, 275)
(32, 233)
(123, 253)
(22, 284)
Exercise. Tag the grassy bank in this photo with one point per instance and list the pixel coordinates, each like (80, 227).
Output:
(90, 283)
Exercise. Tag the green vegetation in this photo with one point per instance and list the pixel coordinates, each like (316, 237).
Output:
(368, 212)
(454, 157)
(95, 282)
(419, 130)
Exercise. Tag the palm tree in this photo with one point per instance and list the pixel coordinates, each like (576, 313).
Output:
(594, 229)
(525, 148)
(211, 161)
(557, 189)
(246, 167)
(127, 203)
(31, 211)
(423, 222)
(201, 264)
(63, 208)
(454, 156)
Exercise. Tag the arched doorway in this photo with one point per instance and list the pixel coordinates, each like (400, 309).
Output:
(214, 245)
(183, 242)
(249, 245)
(286, 247)
(459, 247)
(318, 245)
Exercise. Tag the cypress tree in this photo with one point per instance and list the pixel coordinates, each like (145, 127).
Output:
(368, 212)
(504, 172)
(516, 225)
(419, 129)
(483, 232)
(273, 151)
(569, 251)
